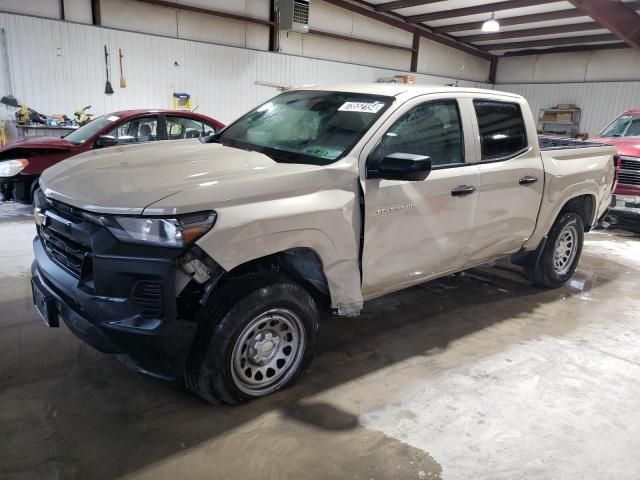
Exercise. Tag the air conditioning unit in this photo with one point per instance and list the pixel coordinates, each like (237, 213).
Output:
(293, 15)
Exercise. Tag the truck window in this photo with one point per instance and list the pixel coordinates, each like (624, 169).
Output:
(623, 126)
(314, 127)
(502, 131)
(431, 129)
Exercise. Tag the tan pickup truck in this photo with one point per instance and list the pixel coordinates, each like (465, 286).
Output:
(209, 262)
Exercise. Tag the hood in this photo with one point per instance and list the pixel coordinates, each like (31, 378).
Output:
(39, 142)
(125, 180)
(627, 146)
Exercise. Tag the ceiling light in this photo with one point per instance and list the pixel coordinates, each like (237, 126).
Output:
(491, 25)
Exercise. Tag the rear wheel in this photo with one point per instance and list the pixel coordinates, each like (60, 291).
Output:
(255, 337)
(561, 253)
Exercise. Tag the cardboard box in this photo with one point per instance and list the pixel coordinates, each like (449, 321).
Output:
(566, 106)
(564, 117)
(549, 117)
(407, 78)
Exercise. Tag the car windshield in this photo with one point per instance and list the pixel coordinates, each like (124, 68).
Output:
(314, 127)
(87, 131)
(623, 126)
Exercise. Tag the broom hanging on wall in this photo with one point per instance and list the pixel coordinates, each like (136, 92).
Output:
(123, 82)
(108, 89)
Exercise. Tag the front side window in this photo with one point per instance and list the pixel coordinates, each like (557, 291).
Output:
(314, 127)
(623, 126)
(432, 129)
(502, 131)
(139, 130)
(87, 131)
(183, 127)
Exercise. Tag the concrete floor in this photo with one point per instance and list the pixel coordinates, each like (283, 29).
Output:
(477, 376)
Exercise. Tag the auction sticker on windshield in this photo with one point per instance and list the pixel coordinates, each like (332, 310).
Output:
(362, 107)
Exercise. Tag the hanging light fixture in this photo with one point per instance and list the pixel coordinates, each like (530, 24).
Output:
(491, 25)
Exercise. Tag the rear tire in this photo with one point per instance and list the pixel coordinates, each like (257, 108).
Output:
(255, 336)
(560, 255)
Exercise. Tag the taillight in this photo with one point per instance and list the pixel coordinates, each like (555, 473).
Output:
(617, 163)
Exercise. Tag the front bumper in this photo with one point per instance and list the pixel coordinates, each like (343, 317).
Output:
(625, 205)
(104, 307)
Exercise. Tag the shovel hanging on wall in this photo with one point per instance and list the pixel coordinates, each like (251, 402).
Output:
(108, 89)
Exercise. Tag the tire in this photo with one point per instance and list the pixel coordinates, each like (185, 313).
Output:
(560, 255)
(256, 335)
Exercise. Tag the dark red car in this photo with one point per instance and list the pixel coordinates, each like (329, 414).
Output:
(22, 161)
(624, 133)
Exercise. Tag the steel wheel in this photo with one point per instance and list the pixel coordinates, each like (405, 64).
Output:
(268, 352)
(566, 247)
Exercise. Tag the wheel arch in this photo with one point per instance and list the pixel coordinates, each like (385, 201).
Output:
(582, 205)
(580, 201)
(301, 264)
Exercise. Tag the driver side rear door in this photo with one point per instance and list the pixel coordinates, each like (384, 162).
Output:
(417, 230)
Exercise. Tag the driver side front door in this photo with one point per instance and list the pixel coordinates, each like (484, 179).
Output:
(416, 230)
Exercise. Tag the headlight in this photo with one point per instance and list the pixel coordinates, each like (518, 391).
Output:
(9, 168)
(166, 232)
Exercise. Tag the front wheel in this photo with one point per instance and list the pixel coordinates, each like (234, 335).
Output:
(561, 253)
(257, 336)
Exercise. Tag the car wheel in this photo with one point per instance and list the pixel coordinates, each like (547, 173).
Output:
(255, 336)
(561, 253)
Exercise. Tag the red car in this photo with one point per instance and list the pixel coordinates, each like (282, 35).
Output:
(22, 161)
(624, 133)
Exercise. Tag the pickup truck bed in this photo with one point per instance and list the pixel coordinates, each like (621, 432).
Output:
(558, 143)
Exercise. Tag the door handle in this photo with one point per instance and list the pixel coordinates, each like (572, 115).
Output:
(463, 190)
(528, 180)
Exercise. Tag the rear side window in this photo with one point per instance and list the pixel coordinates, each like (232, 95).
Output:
(502, 132)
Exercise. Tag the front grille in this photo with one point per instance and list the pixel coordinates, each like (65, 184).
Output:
(64, 251)
(629, 173)
(146, 296)
(630, 163)
(66, 211)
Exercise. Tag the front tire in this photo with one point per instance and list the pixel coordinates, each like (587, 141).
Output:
(561, 253)
(255, 336)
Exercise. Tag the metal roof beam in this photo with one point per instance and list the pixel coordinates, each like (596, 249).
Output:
(532, 32)
(385, 7)
(206, 11)
(550, 42)
(478, 9)
(567, 49)
(617, 17)
(509, 21)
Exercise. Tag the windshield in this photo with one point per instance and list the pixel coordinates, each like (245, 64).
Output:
(313, 127)
(87, 131)
(623, 126)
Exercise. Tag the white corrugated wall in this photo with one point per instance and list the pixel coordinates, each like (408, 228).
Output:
(58, 67)
(600, 101)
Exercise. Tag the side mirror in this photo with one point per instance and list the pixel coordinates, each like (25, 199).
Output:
(399, 166)
(106, 141)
